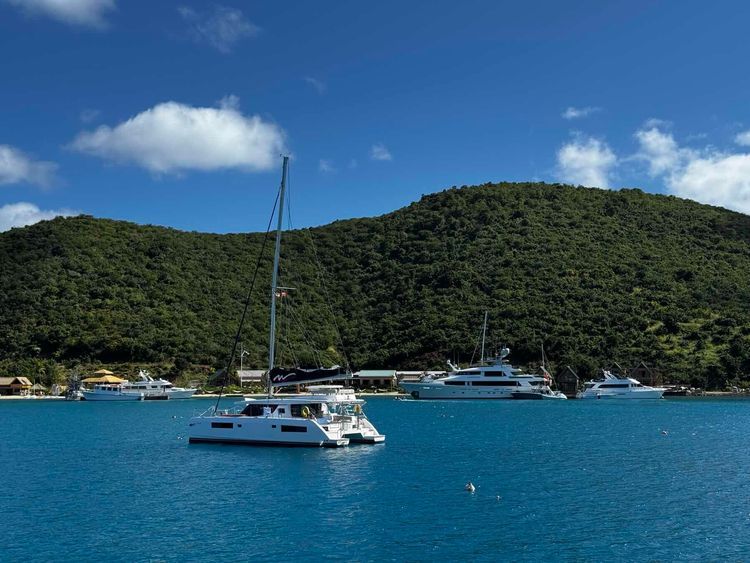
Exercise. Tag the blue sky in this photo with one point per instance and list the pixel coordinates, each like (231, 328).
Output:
(174, 113)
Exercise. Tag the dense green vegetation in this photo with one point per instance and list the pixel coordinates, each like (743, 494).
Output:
(599, 276)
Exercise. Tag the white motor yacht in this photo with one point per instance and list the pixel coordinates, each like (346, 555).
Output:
(156, 388)
(616, 387)
(329, 416)
(109, 392)
(493, 379)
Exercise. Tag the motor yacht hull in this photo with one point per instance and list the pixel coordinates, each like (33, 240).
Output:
(655, 393)
(432, 391)
(99, 396)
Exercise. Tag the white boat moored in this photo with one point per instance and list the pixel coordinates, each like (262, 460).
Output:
(109, 392)
(156, 388)
(329, 416)
(616, 387)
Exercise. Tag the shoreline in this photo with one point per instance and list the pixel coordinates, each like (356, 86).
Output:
(706, 394)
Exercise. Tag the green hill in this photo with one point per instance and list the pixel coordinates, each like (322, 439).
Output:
(599, 276)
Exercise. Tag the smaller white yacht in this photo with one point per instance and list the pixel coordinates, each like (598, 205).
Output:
(613, 386)
(543, 392)
(540, 393)
(156, 388)
(109, 392)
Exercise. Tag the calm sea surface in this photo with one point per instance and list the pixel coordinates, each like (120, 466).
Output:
(570, 480)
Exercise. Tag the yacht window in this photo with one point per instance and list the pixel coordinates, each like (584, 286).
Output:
(473, 372)
(613, 385)
(494, 374)
(495, 383)
(290, 428)
(222, 425)
(461, 383)
(256, 409)
(314, 408)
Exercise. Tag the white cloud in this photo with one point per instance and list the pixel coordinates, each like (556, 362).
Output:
(707, 175)
(172, 137)
(17, 167)
(586, 161)
(222, 28)
(326, 166)
(716, 179)
(576, 113)
(380, 152)
(660, 150)
(22, 214)
(319, 85)
(89, 13)
(743, 138)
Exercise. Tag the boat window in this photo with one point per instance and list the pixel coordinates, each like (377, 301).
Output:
(256, 409)
(494, 374)
(222, 425)
(316, 409)
(473, 372)
(461, 383)
(613, 385)
(495, 383)
(290, 428)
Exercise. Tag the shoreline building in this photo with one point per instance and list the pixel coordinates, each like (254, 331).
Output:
(15, 386)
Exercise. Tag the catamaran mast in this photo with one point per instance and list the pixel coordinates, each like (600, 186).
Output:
(484, 333)
(274, 279)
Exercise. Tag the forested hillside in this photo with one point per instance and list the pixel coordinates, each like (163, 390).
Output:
(598, 276)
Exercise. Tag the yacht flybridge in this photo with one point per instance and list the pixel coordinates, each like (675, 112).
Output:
(493, 379)
(326, 416)
(612, 386)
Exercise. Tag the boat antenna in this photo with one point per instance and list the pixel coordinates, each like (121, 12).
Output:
(247, 305)
(275, 277)
(484, 334)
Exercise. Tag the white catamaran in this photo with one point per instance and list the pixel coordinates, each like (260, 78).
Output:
(329, 416)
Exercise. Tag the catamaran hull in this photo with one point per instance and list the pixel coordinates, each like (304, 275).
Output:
(262, 431)
(439, 391)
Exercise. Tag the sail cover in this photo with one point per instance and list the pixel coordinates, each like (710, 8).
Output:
(296, 376)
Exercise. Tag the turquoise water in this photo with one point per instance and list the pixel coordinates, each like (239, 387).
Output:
(575, 480)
